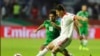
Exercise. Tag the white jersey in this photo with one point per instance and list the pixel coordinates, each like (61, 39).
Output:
(67, 25)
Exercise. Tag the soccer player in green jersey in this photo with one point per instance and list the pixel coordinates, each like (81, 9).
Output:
(52, 27)
(83, 28)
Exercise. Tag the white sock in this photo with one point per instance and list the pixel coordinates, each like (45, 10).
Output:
(53, 54)
(85, 43)
(43, 52)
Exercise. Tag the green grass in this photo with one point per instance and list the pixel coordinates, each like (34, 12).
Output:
(30, 47)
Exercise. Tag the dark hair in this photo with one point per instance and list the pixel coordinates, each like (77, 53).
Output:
(60, 7)
(53, 12)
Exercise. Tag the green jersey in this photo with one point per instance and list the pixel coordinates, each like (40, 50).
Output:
(83, 14)
(84, 28)
(51, 32)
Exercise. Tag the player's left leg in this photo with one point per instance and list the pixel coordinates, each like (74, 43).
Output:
(81, 38)
(46, 49)
(42, 47)
(62, 48)
(65, 52)
(85, 40)
(55, 50)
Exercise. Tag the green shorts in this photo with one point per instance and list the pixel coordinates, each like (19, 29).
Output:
(83, 31)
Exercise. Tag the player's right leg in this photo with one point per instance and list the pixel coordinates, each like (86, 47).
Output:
(54, 51)
(42, 47)
(46, 49)
(85, 40)
(60, 47)
(81, 38)
(65, 52)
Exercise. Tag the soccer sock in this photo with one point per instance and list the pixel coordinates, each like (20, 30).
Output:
(53, 54)
(43, 52)
(81, 43)
(85, 43)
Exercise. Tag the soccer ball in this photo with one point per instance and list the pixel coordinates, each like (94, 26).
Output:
(17, 54)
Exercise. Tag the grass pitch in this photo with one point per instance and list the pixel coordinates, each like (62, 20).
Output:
(30, 47)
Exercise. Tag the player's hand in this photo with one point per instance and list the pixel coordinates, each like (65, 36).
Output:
(80, 25)
(52, 23)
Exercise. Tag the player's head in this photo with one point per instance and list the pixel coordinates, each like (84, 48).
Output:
(84, 7)
(52, 15)
(60, 11)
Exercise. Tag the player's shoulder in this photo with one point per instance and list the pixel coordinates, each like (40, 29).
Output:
(46, 20)
(57, 22)
(70, 14)
(67, 14)
(79, 12)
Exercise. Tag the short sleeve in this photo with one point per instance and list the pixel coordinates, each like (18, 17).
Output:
(58, 23)
(78, 14)
(44, 23)
(72, 17)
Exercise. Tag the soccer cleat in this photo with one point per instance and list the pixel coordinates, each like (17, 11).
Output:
(80, 47)
(85, 49)
(70, 54)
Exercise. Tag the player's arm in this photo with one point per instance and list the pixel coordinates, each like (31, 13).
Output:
(55, 25)
(76, 24)
(80, 18)
(40, 27)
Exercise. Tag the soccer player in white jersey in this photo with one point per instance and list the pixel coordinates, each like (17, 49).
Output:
(67, 26)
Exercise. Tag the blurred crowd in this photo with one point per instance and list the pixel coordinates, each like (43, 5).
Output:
(38, 9)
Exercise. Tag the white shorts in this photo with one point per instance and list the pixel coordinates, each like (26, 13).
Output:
(58, 42)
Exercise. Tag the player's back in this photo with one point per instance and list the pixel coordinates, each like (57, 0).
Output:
(67, 25)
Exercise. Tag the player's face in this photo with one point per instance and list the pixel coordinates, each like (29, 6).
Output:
(84, 8)
(59, 13)
(51, 17)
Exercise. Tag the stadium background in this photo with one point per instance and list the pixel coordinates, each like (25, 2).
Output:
(19, 18)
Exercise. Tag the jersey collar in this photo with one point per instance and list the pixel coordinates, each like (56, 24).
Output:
(64, 14)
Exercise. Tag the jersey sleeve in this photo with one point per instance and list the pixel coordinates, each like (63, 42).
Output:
(78, 14)
(58, 23)
(72, 17)
(44, 22)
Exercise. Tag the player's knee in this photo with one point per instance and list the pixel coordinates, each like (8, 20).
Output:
(42, 47)
(55, 50)
(80, 37)
(50, 46)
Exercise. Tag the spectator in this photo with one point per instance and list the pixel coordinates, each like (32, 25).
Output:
(44, 11)
(3, 12)
(97, 10)
(35, 12)
(16, 10)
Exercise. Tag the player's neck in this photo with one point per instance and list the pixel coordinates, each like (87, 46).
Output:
(63, 14)
(53, 20)
(83, 11)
